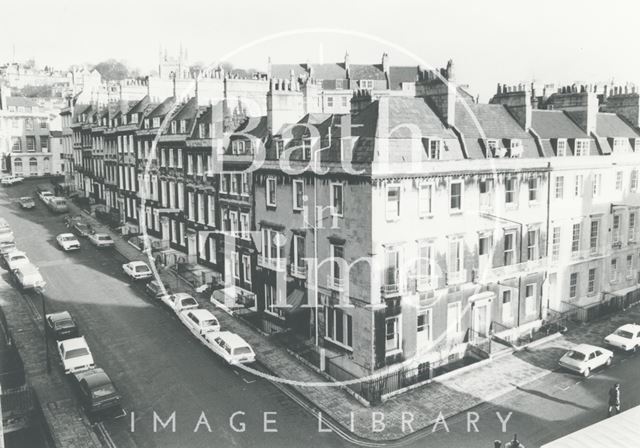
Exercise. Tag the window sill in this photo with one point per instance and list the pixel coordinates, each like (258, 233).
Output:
(394, 352)
(427, 216)
(339, 344)
(455, 212)
(271, 206)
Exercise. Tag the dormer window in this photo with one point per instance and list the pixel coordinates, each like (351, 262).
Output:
(516, 148)
(561, 147)
(435, 145)
(494, 149)
(238, 147)
(134, 118)
(123, 119)
(156, 122)
(174, 127)
(201, 130)
(306, 149)
(183, 126)
(636, 145)
(366, 84)
(582, 147)
(279, 148)
(619, 145)
(145, 124)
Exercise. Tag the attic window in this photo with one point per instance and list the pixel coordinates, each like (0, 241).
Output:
(134, 118)
(494, 149)
(279, 148)
(516, 148)
(366, 84)
(183, 126)
(238, 147)
(338, 83)
(582, 147)
(435, 145)
(156, 122)
(306, 149)
(561, 147)
(123, 119)
(619, 145)
(174, 127)
(636, 145)
(146, 123)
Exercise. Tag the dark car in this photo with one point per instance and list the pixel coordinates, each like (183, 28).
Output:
(27, 202)
(62, 326)
(156, 290)
(97, 392)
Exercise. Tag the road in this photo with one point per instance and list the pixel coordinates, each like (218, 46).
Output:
(156, 364)
(160, 368)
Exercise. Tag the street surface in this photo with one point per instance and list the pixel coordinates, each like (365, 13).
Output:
(159, 367)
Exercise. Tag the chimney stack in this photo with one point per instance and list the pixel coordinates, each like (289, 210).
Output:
(581, 106)
(440, 91)
(517, 100)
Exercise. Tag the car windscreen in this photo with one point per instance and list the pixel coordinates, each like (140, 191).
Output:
(576, 355)
(624, 334)
(4, 230)
(103, 391)
(68, 238)
(188, 302)
(76, 353)
(142, 269)
(209, 323)
(64, 323)
(242, 351)
(18, 258)
(104, 238)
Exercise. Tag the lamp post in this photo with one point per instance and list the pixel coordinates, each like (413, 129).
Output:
(40, 292)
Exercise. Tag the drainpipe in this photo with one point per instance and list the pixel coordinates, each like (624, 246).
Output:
(546, 272)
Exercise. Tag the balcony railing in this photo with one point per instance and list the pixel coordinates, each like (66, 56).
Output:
(424, 283)
(391, 290)
(298, 271)
(337, 284)
(510, 270)
(275, 264)
(453, 278)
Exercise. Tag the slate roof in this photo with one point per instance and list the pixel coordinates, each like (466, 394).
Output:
(398, 75)
(611, 125)
(328, 71)
(163, 108)
(368, 71)
(495, 122)
(281, 71)
(140, 106)
(555, 124)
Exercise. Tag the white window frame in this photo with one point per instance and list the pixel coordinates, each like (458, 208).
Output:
(583, 147)
(270, 196)
(337, 209)
(512, 250)
(579, 185)
(425, 331)
(460, 197)
(297, 185)
(561, 150)
(396, 346)
(530, 299)
(559, 187)
(246, 268)
(392, 213)
(425, 199)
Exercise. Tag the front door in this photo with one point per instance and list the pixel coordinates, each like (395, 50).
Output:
(481, 319)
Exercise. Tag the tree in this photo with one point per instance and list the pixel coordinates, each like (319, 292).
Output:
(112, 70)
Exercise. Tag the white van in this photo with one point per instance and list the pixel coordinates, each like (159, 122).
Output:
(28, 276)
(6, 234)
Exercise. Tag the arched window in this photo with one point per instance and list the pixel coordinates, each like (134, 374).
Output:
(33, 166)
(47, 165)
(17, 166)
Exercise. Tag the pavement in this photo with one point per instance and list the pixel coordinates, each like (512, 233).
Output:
(545, 403)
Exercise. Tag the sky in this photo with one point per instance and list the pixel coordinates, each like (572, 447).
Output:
(490, 41)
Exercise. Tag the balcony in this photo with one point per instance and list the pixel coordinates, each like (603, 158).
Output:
(390, 290)
(508, 271)
(337, 284)
(298, 271)
(275, 264)
(454, 278)
(424, 283)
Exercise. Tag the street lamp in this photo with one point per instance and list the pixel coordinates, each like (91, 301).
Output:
(40, 291)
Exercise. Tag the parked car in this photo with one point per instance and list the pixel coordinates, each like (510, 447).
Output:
(44, 192)
(26, 202)
(627, 337)
(156, 289)
(28, 276)
(231, 347)
(137, 270)
(75, 355)
(584, 358)
(199, 322)
(6, 246)
(6, 234)
(45, 196)
(57, 204)
(101, 240)
(68, 241)
(180, 301)
(15, 259)
(97, 392)
(62, 326)
(11, 180)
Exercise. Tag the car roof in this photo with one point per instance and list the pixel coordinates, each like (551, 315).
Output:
(202, 314)
(137, 263)
(96, 377)
(59, 316)
(232, 339)
(629, 327)
(102, 234)
(182, 295)
(66, 235)
(70, 344)
(16, 252)
(28, 268)
(26, 198)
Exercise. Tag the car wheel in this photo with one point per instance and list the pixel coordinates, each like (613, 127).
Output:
(609, 361)
(634, 349)
(586, 372)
